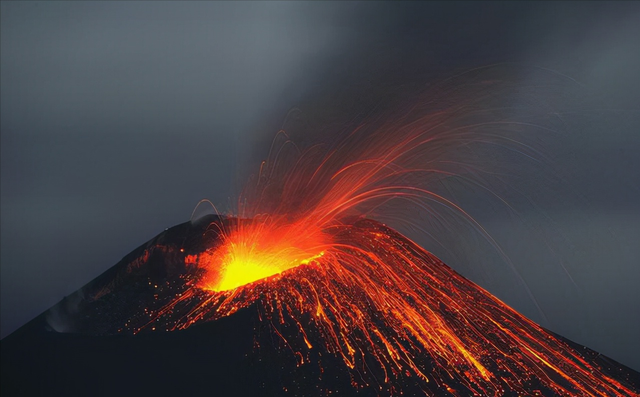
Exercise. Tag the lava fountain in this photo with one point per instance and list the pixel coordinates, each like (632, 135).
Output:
(303, 248)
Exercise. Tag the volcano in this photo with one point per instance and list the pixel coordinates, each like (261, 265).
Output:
(372, 314)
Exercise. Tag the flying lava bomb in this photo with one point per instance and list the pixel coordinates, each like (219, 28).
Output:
(302, 290)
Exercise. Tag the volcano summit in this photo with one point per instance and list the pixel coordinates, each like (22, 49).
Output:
(374, 314)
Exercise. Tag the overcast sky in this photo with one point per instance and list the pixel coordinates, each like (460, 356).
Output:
(118, 117)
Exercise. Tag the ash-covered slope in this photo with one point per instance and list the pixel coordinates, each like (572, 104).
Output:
(142, 328)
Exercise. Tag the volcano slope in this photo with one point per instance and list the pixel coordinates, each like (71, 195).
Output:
(372, 314)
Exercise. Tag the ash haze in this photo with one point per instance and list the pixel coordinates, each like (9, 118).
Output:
(118, 117)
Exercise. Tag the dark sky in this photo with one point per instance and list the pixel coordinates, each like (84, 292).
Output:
(117, 118)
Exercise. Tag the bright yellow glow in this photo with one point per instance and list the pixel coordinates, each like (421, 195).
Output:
(242, 266)
(245, 271)
(250, 255)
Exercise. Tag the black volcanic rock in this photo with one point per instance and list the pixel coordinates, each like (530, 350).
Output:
(86, 346)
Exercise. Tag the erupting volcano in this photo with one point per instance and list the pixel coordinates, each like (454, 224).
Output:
(341, 302)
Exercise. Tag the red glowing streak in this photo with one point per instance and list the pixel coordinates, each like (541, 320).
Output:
(300, 247)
